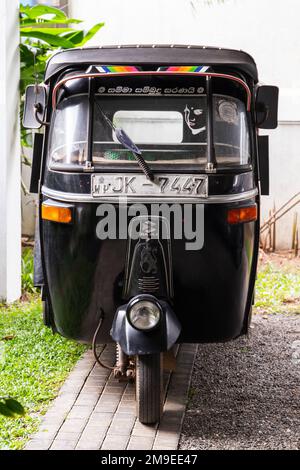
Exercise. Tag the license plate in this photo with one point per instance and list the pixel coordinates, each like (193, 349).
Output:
(138, 186)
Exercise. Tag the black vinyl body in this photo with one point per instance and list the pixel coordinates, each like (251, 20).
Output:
(84, 277)
(213, 287)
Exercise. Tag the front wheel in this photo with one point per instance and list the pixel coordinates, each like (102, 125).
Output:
(149, 385)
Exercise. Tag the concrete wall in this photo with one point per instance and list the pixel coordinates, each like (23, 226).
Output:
(29, 201)
(267, 29)
(10, 204)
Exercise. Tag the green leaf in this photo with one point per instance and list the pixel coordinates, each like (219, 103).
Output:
(75, 38)
(50, 31)
(24, 9)
(14, 406)
(90, 34)
(27, 22)
(26, 55)
(40, 10)
(50, 39)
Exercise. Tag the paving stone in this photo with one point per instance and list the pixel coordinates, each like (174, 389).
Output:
(38, 444)
(129, 392)
(97, 372)
(87, 399)
(159, 447)
(63, 444)
(115, 387)
(97, 427)
(169, 439)
(82, 366)
(88, 444)
(109, 399)
(65, 400)
(106, 407)
(140, 443)
(96, 434)
(115, 443)
(73, 424)
(92, 389)
(142, 430)
(112, 393)
(127, 406)
(95, 381)
(54, 419)
(46, 427)
(46, 435)
(121, 428)
(170, 427)
(71, 388)
(83, 411)
(100, 417)
(168, 443)
(128, 399)
(68, 436)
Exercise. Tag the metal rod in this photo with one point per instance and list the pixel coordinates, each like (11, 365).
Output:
(296, 243)
(211, 156)
(270, 233)
(276, 216)
(274, 229)
(90, 124)
(294, 229)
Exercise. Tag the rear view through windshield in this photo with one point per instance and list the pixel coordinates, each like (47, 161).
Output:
(166, 128)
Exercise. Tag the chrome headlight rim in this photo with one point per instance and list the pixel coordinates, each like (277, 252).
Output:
(140, 298)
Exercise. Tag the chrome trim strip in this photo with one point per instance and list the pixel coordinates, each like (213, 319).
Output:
(213, 199)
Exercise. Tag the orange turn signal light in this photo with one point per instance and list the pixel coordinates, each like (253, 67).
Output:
(242, 214)
(59, 214)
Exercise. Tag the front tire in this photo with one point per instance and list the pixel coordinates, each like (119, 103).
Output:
(149, 387)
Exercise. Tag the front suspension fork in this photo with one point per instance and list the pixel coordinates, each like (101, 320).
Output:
(125, 365)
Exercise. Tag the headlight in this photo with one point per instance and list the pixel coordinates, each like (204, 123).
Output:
(144, 314)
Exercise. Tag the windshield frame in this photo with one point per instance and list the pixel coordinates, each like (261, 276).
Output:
(132, 166)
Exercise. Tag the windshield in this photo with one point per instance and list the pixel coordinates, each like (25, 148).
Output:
(167, 129)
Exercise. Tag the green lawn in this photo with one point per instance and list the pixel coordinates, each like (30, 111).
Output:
(33, 365)
(278, 288)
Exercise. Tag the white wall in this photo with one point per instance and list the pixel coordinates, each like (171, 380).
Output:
(267, 29)
(10, 205)
(29, 202)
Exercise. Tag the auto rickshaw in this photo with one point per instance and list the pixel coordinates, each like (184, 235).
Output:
(149, 171)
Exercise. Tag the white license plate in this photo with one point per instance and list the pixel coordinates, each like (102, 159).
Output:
(137, 185)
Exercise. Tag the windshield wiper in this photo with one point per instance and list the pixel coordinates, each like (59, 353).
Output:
(126, 141)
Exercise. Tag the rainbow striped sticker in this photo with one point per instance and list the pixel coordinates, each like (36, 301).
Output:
(184, 68)
(116, 68)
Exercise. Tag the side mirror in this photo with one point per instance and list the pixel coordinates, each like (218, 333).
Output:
(266, 107)
(35, 106)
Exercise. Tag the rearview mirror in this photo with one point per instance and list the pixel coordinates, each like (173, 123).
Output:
(35, 106)
(266, 107)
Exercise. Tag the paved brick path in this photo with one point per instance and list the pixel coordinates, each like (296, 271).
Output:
(95, 411)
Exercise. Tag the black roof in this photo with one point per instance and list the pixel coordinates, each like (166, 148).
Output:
(152, 54)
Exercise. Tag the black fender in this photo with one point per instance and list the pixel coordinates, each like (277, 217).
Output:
(133, 341)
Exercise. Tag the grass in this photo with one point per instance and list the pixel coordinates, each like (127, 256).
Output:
(277, 289)
(33, 365)
(27, 271)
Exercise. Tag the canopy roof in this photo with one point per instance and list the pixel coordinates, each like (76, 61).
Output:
(156, 55)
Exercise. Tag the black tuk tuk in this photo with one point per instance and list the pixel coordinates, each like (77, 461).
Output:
(149, 172)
